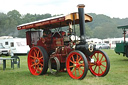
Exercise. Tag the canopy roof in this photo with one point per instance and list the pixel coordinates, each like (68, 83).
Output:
(54, 22)
(123, 27)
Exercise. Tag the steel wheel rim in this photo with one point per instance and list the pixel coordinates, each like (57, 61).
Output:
(75, 65)
(35, 61)
(99, 67)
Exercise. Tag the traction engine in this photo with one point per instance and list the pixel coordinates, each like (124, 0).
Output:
(61, 50)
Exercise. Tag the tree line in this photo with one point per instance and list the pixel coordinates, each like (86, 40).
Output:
(102, 26)
(10, 21)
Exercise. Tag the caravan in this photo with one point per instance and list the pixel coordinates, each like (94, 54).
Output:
(16, 45)
(112, 41)
(94, 40)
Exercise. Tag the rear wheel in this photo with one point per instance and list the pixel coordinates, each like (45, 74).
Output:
(37, 60)
(76, 65)
(100, 63)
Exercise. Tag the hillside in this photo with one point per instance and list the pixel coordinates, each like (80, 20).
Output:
(102, 26)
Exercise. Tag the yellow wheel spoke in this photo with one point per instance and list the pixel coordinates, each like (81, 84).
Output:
(95, 68)
(103, 65)
(101, 69)
(97, 56)
(38, 53)
(35, 54)
(33, 65)
(35, 51)
(101, 58)
(73, 58)
(79, 59)
(103, 61)
(79, 71)
(73, 70)
(41, 57)
(72, 61)
(32, 57)
(71, 66)
(81, 64)
(41, 64)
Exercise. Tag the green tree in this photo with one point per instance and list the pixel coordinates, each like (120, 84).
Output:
(102, 26)
(15, 15)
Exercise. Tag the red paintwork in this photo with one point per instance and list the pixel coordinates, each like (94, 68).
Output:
(59, 45)
(41, 23)
(36, 58)
(99, 67)
(53, 45)
(76, 71)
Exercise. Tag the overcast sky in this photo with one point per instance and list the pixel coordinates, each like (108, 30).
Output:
(112, 8)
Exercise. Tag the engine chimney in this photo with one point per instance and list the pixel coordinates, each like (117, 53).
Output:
(83, 46)
(81, 22)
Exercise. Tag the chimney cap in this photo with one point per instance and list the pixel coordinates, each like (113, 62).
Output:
(80, 5)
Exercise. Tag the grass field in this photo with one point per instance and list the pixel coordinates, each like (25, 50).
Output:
(118, 74)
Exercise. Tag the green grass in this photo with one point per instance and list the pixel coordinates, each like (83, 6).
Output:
(118, 74)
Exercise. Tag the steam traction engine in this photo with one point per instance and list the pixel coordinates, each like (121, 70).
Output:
(61, 50)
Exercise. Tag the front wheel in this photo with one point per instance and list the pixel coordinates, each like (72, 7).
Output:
(77, 65)
(100, 64)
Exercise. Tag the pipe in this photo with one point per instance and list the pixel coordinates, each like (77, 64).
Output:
(81, 21)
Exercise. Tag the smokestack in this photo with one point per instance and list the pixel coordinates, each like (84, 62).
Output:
(81, 21)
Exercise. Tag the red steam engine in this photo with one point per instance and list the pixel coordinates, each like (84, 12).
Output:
(55, 45)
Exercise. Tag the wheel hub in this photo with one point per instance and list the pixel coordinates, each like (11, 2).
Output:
(37, 61)
(98, 63)
(77, 65)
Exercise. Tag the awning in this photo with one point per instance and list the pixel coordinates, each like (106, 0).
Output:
(54, 22)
